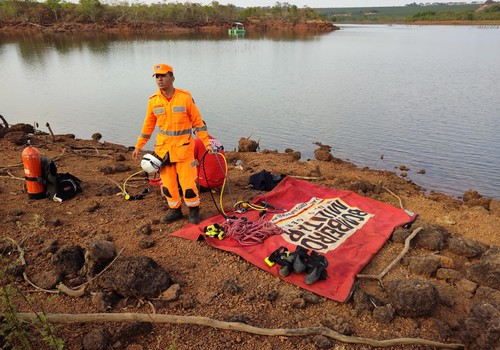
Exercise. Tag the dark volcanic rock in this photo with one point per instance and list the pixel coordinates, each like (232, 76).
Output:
(96, 339)
(362, 301)
(26, 128)
(487, 270)
(424, 265)
(488, 294)
(465, 247)
(323, 153)
(413, 297)
(431, 238)
(482, 327)
(136, 276)
(98, 254)
(384, 313)
(18, 138)
(472, 199)
(400, 234)
(130, 331)
(69, 260)
(247, 145)
(46, 279)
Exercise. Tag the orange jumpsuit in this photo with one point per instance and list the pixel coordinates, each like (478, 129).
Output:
(175, 120)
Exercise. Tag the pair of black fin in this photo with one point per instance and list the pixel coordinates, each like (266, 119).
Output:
(314, 265)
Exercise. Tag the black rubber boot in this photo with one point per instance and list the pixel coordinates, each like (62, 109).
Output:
(172, 215)
(300, 259)
(194, 215)
(316, 268)
(287, 266)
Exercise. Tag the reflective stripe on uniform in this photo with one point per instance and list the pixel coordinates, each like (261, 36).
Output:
(201, 128)
(175, 133)
(173, 205)
(179, 109)
(144, 136)
(193, 203)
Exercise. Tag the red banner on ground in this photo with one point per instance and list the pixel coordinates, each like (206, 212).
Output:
(348, 229)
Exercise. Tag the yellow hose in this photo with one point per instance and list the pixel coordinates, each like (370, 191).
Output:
(223, 185)
(127, 196)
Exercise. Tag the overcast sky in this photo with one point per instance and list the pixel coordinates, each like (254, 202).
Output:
(319, 3)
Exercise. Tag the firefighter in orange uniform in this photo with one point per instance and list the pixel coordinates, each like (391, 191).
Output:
(175, 113)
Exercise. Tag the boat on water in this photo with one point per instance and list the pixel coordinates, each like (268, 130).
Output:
(237, 28)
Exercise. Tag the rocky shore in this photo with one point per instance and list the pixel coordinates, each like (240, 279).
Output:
(445, 289)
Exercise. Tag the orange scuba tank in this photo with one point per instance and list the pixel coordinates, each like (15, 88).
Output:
(33, 173)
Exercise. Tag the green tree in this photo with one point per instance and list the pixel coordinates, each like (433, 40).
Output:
(91, 9)
(23, 10)
(54, 6)
(8, 9)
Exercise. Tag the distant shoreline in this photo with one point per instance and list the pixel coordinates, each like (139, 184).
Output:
(314, 26)
(254, 25)
(434, 23)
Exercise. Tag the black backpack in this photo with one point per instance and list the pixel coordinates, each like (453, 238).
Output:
(59, 187)
(264, 180)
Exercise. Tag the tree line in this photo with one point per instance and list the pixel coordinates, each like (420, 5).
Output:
(88, 11)
(52, 11)
(412, 13)
(491, 13)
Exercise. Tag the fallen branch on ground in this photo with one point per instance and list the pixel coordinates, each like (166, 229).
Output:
(234, 326)
(12, 176)
(90, 148)
(11, 166)
(59, 156)
(395, 195)
(81, 153)
(307, 177)
(71, 292)
(395, 261)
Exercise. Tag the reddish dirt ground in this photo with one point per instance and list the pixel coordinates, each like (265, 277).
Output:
(204, 273)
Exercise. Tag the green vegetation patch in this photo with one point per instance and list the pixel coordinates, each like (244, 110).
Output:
(411, 13)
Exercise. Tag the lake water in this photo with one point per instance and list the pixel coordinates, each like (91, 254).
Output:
(426, 97)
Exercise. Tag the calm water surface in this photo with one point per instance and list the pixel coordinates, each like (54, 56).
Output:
(425, 97)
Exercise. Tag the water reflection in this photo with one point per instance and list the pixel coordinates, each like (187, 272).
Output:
(34, 44)
(33, 47)
(99, 42)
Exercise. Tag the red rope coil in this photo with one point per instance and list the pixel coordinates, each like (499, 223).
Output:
(250, 232)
